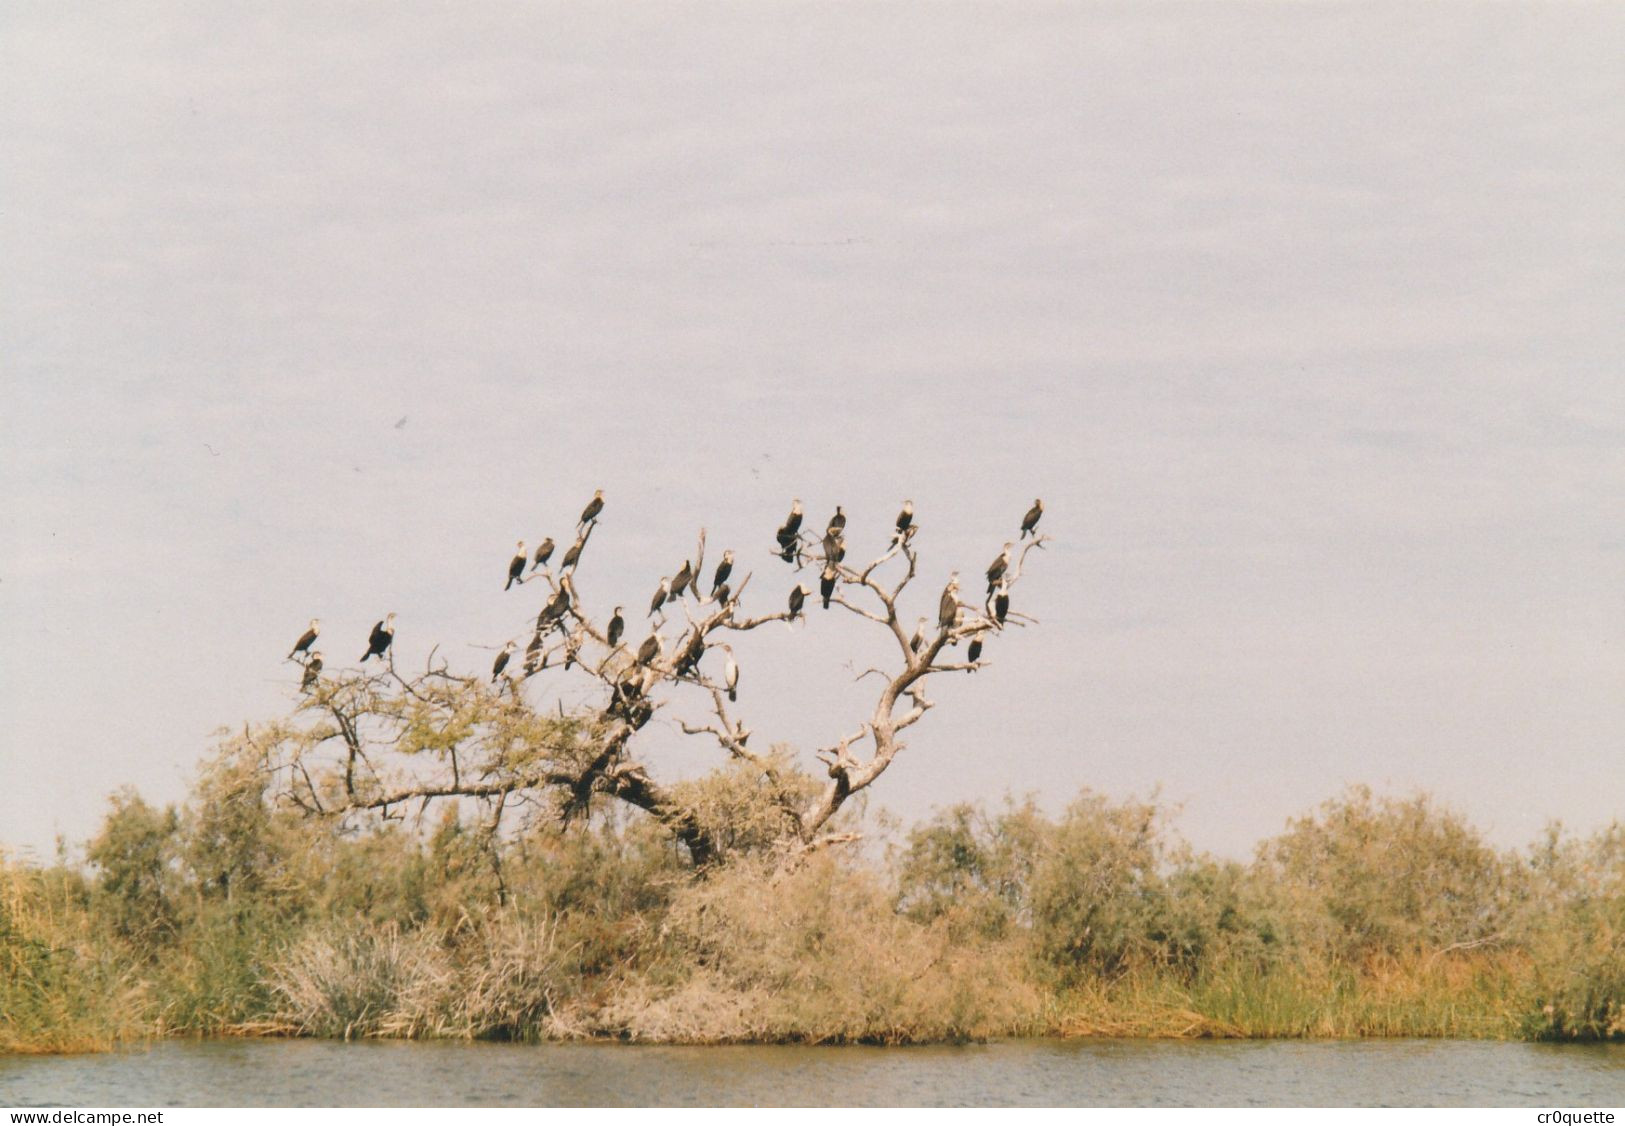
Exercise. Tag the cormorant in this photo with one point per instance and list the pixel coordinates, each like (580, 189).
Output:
(724, 569)
(1029, 522)
(904, 519)
(997, 568)
(594, 507)
(917, 642)
(554, 610)
(573, 556)
(787, 546)
(516, 565)
(640, 714)
(721, 595)
(826, 583)
(616, 627)
(974, 653)
(650, 649)
(313, 668)
(1001, 603)
(544, 552)
(685, 575)
(501, 662)
(730, 673)
(792, 523)
(948, 607)
(688, 661)
(382, 635)
(837, 523)
(306, 639)
(798, 599)
(660, 597)
(834, 547)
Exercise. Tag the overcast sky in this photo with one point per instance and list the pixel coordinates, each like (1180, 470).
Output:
(1304, 320)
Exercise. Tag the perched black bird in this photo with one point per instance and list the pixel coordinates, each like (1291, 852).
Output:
(544, 552)
(724, 569)
(594, 507)
(948, 607)
(616, 627)
(826, 584)
(1029, 522)
(688, 661)
(837, 523)
(792, 522)
(721, 595)
(917, 642)
(1001, 603)
(974, 653)
(650, 649)
(798, 599)
(787, 546)
(501, 662)
(685, 575)
(553, 612)
(659, 599)
(516, 565)
(573, 556)
(997, 568)
(313, 669)
(306, 639)
(382, 635)
(834, 547)
(640, 714)
(904, 519)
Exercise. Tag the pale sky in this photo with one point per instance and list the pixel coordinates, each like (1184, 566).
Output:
(1304, 320)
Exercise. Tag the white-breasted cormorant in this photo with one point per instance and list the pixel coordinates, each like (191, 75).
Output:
(724, 569)
(659, 599)
(826, 583)
(594, 507)
(997, 568)
(679, 582)
(516, 565)
(651, 648)
(904, 519)
(313, 669)
(382, 635)
(1029, 522)
(306, 639)
(544, 552)
(917, 642)
(792, 522)
(837, 523)
(798, 599)
(573, 556)
(948, 606)
(730, 673)
(501, 662)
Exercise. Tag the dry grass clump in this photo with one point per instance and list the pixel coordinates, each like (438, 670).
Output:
(815, 953)
(502, 980)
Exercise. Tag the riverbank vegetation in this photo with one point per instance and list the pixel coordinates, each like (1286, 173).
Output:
(1369, 916)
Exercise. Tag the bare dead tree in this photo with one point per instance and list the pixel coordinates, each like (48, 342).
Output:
(389, 745)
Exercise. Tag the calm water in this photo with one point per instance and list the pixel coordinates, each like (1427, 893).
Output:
(1041, 1072)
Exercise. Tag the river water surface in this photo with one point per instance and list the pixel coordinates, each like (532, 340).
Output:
(1020, 1072)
